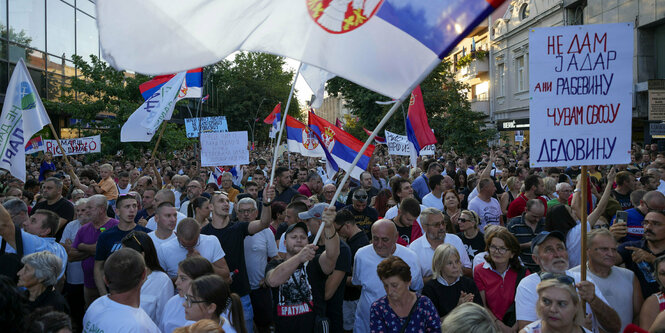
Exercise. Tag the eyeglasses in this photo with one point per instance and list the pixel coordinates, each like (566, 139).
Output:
(189, 301)
(359, 197)
(245, 211)
(499, 250)
(460, 219)
(436, 225)
(559, 277)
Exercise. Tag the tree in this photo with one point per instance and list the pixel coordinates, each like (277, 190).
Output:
(248, 88)
(102, 98)
(449, 113)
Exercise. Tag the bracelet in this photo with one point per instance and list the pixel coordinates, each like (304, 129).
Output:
(266, 204)
(333, 236)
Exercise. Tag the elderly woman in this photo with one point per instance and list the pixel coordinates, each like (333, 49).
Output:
(452, 206)
(498, 277)
(401, 310)
(210, 297)
(559, 307)
(448, 288)
(39, 276)
(473, 239)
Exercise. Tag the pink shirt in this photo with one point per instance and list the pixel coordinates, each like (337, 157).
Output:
(87, 234)
(499, 291)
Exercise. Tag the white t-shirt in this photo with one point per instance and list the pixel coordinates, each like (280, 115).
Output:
(364, 275)
(155, 292)
(473, 194)
(258, 248)
(479, 259)
(74, 270)
(526, 297)
(125, 190)
(574, 244)
(425, 252)
(537, 327)
(620, 299)
(171, 253)
(106, 315)
(159, 242)
(173, 315)
(152, 224)
(183, 207)
(489, 212)
(430, 200)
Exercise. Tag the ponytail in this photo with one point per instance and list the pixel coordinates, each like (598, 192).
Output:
(237, 316)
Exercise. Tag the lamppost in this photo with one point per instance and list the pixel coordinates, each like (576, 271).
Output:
(253, 124)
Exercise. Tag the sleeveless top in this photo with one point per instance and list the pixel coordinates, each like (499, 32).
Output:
(661, 301)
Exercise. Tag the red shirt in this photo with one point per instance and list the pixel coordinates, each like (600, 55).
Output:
(499, 291)
(518, 206)
(304, 190)
(416, 232)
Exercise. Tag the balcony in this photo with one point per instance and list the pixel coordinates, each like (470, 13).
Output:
(481, 105)
(473, 70)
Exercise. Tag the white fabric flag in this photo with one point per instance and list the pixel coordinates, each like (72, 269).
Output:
(23, 115)
(144, 122)
(316, 79)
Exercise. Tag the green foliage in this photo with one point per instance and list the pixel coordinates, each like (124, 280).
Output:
(102, 98)
(249, 87)
(449, 113)
(467, 59)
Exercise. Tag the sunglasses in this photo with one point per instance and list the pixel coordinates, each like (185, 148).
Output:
(559, 277)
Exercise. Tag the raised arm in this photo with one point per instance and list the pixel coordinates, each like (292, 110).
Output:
(283, 271)
(328, 258)
(266, 213)
(7, 229)
(604, 199)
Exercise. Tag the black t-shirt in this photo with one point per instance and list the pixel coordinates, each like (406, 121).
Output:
(474, 245)
(232, 239)
(643, 271)
(624, 200)
(334, 304)
(355, 242)
(445, 298)
(142, 214)
(364, 219)
(109, 241)
(285, 196)
(372, 192)
(404, 233)
(281, 228)
(294, 302)
(62, 207)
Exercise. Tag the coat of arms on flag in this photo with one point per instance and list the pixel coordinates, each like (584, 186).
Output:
(340, 16)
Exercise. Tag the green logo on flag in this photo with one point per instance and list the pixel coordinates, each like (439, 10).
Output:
(28, 99)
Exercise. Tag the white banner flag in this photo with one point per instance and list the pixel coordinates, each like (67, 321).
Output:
(316, 79)
(400, 145)
(77, 146)
(144, 122)
(23, 115)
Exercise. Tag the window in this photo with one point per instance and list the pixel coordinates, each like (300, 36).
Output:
(60, 29)
(520, 74)
(87, 37)
(27, 23)
(524, 11)
(501, 72)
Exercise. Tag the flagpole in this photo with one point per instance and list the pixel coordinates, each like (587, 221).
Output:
(159, 138)
(281, 127)
(57, 139)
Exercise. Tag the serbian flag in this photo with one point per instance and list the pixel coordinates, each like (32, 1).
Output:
(204, 98)
(342, 146)
(378, 139)
(275, 116)
(300, 139)
(34, 145)
(384, 45)
(193, 79)
(417, 127)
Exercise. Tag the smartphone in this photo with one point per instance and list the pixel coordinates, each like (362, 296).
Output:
(622, 216)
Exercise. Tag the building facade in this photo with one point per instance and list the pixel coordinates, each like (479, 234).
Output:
(46, 34)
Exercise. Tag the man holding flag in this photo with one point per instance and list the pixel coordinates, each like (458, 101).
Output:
(23, 115)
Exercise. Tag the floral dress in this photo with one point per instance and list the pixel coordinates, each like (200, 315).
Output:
(425, 318)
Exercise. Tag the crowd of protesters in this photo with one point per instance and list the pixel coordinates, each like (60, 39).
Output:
(458, 243)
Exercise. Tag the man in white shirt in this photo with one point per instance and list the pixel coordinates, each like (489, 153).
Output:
(189, 242)
(487, 207)
(434, 199)
(123, 183)
(601, 252)
(384, 244)
(434, 227)
(166, 217)
(549, 252)
(120, 311)
(164, 196)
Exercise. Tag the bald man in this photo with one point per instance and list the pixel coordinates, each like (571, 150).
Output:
(384, 244)
(160, 197)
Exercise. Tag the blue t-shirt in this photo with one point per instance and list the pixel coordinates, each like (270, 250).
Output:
(45, 167)
(109, 241)
(33, 243)
(634, 225)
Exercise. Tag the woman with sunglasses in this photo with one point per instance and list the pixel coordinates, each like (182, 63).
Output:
(157, 288)
(210, 297)
(498, 277)
(473, 239)
(188, 270)
(655, 303)
(559, 307)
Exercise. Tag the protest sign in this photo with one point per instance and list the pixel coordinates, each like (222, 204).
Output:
(77, 146)
(208, 124)
(224, 148)
(400, 145)
(581, 94)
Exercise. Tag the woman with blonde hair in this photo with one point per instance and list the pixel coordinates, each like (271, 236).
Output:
(559, 307)
(448, 288)
(513, 185)
(469, 318)
(473, 239)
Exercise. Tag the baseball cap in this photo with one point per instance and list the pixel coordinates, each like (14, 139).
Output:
(542, 236)
(313, 213)
(296, 225)
(360, 195)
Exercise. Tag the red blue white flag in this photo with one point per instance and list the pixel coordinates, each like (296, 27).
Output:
(193, 80)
